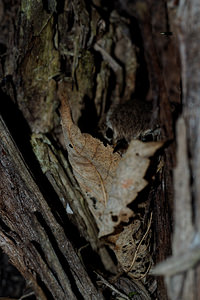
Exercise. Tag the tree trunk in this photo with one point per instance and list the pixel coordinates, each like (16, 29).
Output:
(99, 56)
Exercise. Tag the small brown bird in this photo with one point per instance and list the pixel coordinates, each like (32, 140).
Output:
(130, 120)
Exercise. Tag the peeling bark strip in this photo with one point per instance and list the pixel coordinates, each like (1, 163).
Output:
(185, 253)
(182, 270)
(30, 235)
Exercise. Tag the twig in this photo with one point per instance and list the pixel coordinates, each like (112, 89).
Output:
(112, 63)
(26, 295)
(108, 284)
(138, 247)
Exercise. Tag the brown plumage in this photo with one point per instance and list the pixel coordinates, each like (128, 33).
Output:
(130, 120)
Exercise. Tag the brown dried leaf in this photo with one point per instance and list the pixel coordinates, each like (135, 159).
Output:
(108, 182)
(93, 164)
(131, 247)
(127, 183)
(124, 245)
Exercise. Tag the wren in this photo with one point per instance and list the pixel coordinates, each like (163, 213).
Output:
(130, 120)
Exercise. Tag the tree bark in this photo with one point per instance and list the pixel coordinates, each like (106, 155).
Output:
(182, 269)
(105, 54)
(31, 235)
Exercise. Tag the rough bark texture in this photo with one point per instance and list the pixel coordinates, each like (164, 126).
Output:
(31, 235)
(105, 54)
(181, 270)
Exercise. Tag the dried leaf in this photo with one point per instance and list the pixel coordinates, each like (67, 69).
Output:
(127, 183)
(93, 164)
(131, 247)
(108, 182)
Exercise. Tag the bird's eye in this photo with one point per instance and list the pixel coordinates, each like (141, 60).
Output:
(147, 137)
(109, 133)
